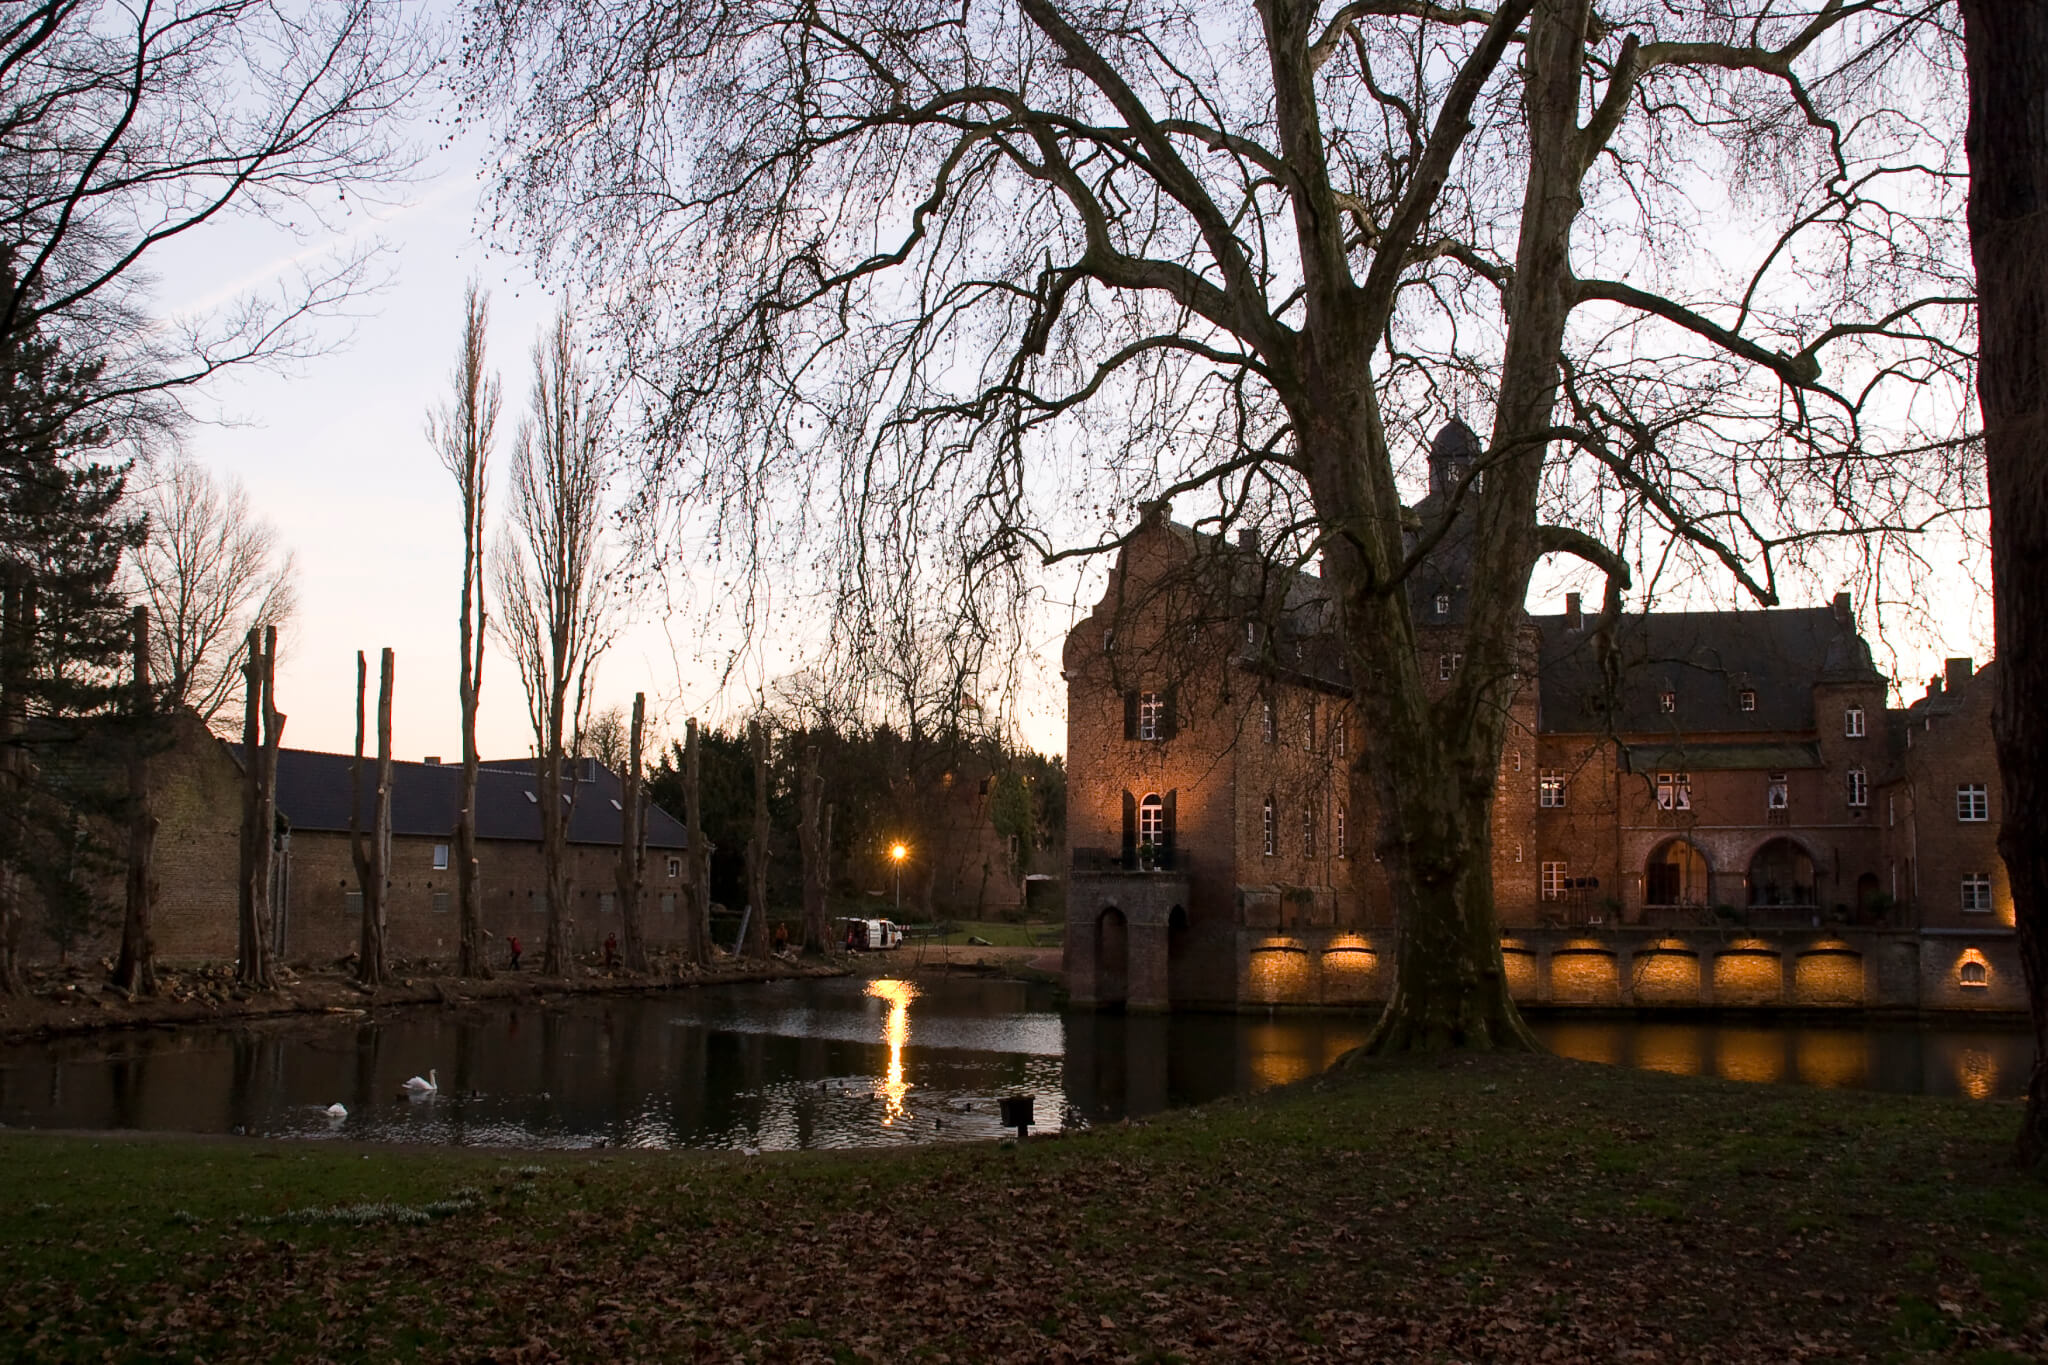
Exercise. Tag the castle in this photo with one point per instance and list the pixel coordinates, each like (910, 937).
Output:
(1718, 810)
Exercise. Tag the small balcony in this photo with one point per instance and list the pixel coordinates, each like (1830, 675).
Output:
(1088, 859)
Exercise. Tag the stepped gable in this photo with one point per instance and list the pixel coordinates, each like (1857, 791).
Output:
(1707, 658)
(313, 794)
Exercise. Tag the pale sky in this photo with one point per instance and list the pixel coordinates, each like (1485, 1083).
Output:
(333, 453)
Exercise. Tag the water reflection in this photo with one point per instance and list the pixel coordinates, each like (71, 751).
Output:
(833, 1064)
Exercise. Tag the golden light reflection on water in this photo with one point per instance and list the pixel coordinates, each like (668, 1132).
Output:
(1834, 1061)
(1678, 1049)
(1587, 1043)
(1750, 1054)
(896, 1033)
(1976, 1073)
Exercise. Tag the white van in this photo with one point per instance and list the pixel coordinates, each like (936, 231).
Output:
(871, 935)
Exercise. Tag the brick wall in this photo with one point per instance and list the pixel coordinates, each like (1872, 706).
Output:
(1950, 746)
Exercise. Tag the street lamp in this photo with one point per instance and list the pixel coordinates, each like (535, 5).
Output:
(897, 853)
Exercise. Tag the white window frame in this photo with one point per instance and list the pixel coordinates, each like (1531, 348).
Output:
(1555, 880)
(1271, 843)
(1308, 727)
(1269, 724)
(1674, 791)
(1152, 820)
(1339, 737)
(1859, 788)
(1343, 833)
(1977, 893)
(440, 857)
(1745, 700)
(1447, 666)
(675, 867)
(1667, 702)
(1852, 723)
(1550, 789)
(1778, 792)
(1151, 714)
(1973, 974)
(1443, 604)
(1973, 802)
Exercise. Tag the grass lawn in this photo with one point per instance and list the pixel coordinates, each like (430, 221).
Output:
(999, 933)
(1514, 1209)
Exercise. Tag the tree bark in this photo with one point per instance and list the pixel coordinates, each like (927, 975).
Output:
(2006, 55)
(633, 844)
(135, 972)
(816, 845)
(17, 636)
(697, 857)
(756, 946)
(372, 861)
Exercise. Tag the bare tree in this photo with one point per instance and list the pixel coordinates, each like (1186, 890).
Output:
(135, 970)
(211, 572)
(908, 254)
(464, 432)
(697, 855)
(372, 857)
(2007, 49)
(554, 608)
(262, 728)
(814, 839)
(607, 739)
(129, 127)
(756, 944)
(633, 841)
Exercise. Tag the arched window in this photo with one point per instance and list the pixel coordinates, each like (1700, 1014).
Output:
(1152, 820)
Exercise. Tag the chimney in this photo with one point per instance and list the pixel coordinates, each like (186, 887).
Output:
(1845, 613)
(1152, 511)
(432, 760)
(1573, 617)
(1934, 686)
(1248, 539)
(1959, 672)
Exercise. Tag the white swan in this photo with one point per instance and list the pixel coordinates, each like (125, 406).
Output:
(335, 1111)
(424, 1087)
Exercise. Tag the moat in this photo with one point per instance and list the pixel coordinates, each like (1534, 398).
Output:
(838, 1063)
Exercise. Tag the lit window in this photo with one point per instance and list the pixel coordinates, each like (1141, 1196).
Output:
(1550, 788)
(1343, 834)
(1271, 832)
(1443, 604)
(1151, 712)
(1778, 793)
(1859, 787)
(675, 867)
(1674, 791)
(1746, 699)
(1554, 881)
(1977, 892)
(1973, 802)
(1667, 702)
(1852, 722)
(1269, 727)
(1973, 973)
(440, 857)
(1152, 821)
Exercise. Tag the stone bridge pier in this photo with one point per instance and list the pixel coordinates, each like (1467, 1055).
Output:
(1120, 928)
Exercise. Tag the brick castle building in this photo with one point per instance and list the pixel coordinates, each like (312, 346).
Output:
(1718, 809)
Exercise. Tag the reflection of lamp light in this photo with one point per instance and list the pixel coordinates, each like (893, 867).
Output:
(896, 1033)
(897, 853)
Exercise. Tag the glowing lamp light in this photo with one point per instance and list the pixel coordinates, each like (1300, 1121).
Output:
(897, 852)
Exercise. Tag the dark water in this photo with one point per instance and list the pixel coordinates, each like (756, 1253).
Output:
(835, 1063)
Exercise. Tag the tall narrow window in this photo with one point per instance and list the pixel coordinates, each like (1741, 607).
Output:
(1269, 726)
(1674, 791)
(440, 857)
(1343, 834)
(1151, 827)
(1151, 710)
(1859, 787)
(1553, 881)
(1550, 788)
(1308, 726)
(1973, 802)
(1271, 834)
(1977, 892)
(1852, 722)
(1308, 830)
(1340, 736)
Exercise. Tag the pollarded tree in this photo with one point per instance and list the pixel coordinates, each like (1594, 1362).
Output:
(1698, 260)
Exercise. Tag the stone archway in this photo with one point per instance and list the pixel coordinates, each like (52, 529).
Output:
(1781, 873)
(1112, 957)
(1177, 943)
(1676, 874)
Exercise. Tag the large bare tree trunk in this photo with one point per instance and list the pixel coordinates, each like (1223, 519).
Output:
(815, 841)
(697, 857)
(552, 784)
(2006, 47)
(756, 945)
(633, 845)
(261, 725)
(135, 972)
(372, 860)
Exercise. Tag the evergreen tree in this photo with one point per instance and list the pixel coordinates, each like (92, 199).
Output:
(64, 634)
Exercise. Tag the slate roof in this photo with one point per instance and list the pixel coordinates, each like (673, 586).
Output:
(313, 794)
(1707, 659)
